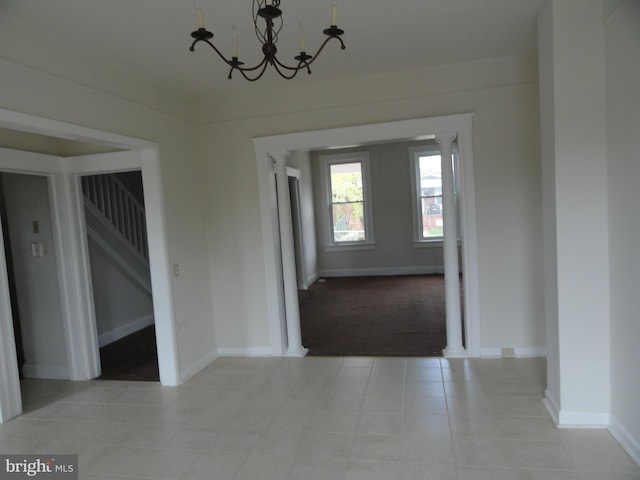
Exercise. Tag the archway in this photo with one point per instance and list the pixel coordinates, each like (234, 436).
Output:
(278, 249)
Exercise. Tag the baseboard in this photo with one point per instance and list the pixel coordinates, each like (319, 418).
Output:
(245, 352)
(625, 439)
(52, 372)
(518, 352)
(192, 370)
(552, 406)
(382, 271)
(311, 279)
(570, 419)
(122, 331)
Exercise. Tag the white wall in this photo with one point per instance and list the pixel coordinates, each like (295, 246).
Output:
(44, 77)
(503, 93)
(27, 200)
(573, 127)
(622, 31)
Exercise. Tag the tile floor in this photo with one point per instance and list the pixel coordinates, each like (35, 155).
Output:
(316, 419)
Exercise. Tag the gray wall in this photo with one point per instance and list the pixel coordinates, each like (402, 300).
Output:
(27, 200)
(394, 251)
(302, 161)
(122, 305)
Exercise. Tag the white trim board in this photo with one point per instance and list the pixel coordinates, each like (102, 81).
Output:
(124, 330)
(245, 352)
(196, 367)
(50, 372)
(382, 271)
(518, 352)
(630, 444)
(571, 419)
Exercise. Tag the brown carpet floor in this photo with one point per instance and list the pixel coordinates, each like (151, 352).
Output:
(374, 316)
(134, 357)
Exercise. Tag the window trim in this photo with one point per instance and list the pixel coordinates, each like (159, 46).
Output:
(414, 166)
(326, 161)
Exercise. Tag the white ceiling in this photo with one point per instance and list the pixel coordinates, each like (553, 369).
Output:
(150, 38)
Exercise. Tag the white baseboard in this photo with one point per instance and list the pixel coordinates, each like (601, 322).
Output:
(52, 372)
(552, 406)
(381, 271)
(570, 419)
(122, 331)
(192, 370)
(245, 352)
(519, 352)
(625, 439)
(311, 279)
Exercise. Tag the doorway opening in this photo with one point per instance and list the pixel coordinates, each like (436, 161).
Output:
(379, 257)
(63, 176)
(115, 219)
(276, 150)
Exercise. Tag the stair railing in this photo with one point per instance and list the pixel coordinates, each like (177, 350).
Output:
(108, 195)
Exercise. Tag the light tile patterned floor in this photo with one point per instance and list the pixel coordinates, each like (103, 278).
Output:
(318, 419)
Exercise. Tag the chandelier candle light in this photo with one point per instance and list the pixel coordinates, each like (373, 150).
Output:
(269, 11)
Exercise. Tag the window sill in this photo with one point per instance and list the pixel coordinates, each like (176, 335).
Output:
(344, 247)
(431, 243)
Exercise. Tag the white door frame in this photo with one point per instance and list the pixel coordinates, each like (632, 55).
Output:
(280, 146)
(72, 251)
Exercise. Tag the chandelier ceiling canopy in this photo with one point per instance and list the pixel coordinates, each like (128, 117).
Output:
(270, 13)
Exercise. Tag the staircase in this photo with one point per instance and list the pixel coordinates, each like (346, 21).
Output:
(116, 230)
(109, 199)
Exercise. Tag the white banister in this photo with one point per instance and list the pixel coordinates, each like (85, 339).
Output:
(107, 195)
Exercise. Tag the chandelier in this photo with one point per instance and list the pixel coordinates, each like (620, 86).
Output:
(269, 11)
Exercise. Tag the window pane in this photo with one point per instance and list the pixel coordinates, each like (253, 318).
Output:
(431, 195)
(348, 222)
(346, 182)
(432, 217)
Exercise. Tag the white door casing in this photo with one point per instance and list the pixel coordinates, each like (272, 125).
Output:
(72, 252)
(279, 146)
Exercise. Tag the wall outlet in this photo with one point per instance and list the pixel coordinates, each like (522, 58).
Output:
(508, 352)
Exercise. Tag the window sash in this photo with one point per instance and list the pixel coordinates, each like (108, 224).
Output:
(427, 222)
(347, 215)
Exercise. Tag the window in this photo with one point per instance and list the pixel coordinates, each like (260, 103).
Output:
(347, 216)
(426, 170)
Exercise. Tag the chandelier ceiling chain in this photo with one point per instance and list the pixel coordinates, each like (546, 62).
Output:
(269, 11)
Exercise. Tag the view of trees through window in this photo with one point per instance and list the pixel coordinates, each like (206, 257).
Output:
(347, 202)
(431, 195)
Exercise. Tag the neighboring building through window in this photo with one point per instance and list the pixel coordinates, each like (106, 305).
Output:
(426, 172)
(347, 215)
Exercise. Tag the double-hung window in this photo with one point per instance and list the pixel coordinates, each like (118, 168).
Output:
(347, 212)
(426, 186)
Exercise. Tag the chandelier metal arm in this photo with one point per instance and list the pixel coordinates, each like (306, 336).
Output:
(264, 64)
(269, 12)
(313, 58)
(277, 65)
